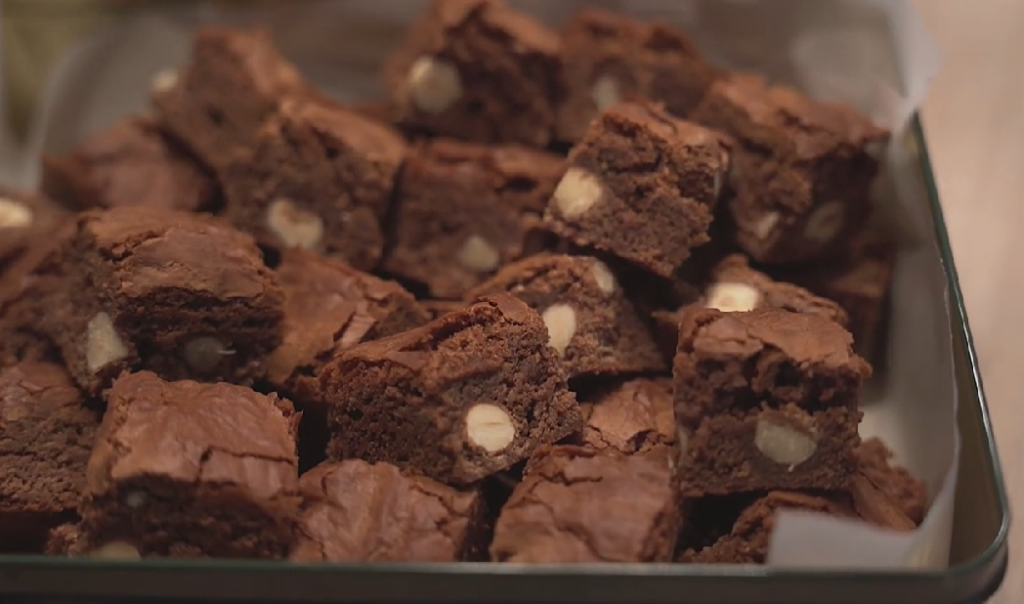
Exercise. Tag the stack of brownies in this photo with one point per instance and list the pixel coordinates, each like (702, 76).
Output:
(569, 296)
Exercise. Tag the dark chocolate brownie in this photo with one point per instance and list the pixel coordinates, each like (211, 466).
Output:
(190, 469)
(46, 436)
(25, 218)
(359, 512)
(632, 417)
(320, 177)
(578, 505)
(591, 323)
(641, 185)
(477, 70)
(895, 482)
(768, 400)
(459, 399)
(802, 169)
(130, 163)
(611, 57)
(234, 81)
(463, 210)
(181, 294)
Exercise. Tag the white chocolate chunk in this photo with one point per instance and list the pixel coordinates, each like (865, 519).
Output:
(14, 214)
(764, 227)
(478, 255)
(293, 226)
(825, 222)
(490, 427)
(164, 80)
(576, 193)
(434, 84)
(102, 344)
(605, 92)
(117, 550)
(732, 297)
(603, 276)
(205, 353)
(560, 319)
(783, 444)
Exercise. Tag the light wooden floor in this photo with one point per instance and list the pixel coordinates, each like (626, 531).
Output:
(974, 120)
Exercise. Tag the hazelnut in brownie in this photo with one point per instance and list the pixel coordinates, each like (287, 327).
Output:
(185, 469)
(320, 178)
(766, 399)
(630, 417)
(802, 168)
(592, 325)
(480, 71)
(354, 511)
(459, 399)
(578, 505)
(462, 211)
(130, 163)
(610, 57)
(641, 185)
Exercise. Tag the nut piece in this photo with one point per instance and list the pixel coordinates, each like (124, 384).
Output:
(117, 550)
(577, 192)
(164, 80)
(294, 227)
(605, 92)
(560, 320)
(135, 499)
(102, 344)
(783, 444)
(603, 276)
(825, 222)
(732, 297)
(764, 227)
(205, 353)
(490, 427)
(434, 84)
(478, 255)
(14, 214)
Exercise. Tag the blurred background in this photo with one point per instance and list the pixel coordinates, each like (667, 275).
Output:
(974, 120)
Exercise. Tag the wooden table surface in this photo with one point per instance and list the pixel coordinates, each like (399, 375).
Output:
(974, 119)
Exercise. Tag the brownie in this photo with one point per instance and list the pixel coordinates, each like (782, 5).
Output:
(177, 293)
(235, 79)
(768, 400)
(480, 71)
(458, 399)
(319, 177)
(25, 218)
(46, 436)
(187, 469)
(413, 519)
(578, 505)
(611, 57)
(908, 493)
(65, 540)
(631, 417)
(802, 169)
(130, 163)
(641, 185)
(30, 289)
(464, 210)
(592, 325)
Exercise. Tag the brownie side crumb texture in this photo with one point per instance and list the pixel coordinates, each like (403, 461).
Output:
(65, 540)
(631, 417)
(130, 163)
(591, 323)
(190, 469)
(359, 512)
(46, 437)
(894, 481)
(459, 399)
(577, 505)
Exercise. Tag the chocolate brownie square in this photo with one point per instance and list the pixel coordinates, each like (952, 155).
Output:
(578, 505)
(592, 325)
(641, 185)
(895, 483)
(216, 104)
(631, 417)
(802, 170)
(178, 293)
(130, 163)
(320, 178)
(187, 469)
(413, 519)
(768, 400)
(479, 71)
(46, 436)
(610, 57)
(458, 399)
(25, 218)
(463, 211)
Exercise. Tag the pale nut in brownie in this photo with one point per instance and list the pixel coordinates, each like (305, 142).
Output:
(293, 226)
(733, 297)
(434, 84)
(490, 427)
(560, 319)
(14, 214)
(577, 192)
(103, 345)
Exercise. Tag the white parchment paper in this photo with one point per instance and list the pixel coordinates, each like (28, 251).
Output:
(874, 54)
